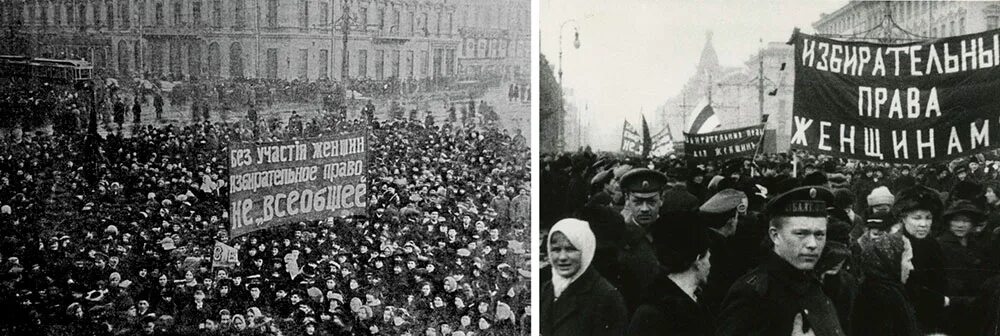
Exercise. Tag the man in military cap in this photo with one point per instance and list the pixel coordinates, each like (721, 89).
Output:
(721, 215)
(783, 295)
(637, 258)
(643, 198)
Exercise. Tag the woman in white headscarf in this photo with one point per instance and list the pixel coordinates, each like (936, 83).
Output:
(578, 301)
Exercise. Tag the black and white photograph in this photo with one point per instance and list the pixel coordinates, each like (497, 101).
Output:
(265, 167)
(769, 167)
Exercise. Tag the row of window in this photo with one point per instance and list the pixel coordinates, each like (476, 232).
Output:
(390, 20)
(875, 12)
(182, 58)
(496, 15)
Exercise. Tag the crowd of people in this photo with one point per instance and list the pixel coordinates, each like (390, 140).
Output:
(784, 244)
(117, 239)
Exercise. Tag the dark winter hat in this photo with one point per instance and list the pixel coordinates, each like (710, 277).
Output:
(963, 207)
(918, 198)
(678, 244)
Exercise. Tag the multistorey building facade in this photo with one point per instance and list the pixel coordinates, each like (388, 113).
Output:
(915, 19)
(281, 39)
(496, 37)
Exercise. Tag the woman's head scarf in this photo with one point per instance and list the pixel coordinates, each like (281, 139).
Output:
(882, 257)
(579, 234)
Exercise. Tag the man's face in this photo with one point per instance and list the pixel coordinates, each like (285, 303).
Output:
(799, 240)
(644, 207)
(255, 292)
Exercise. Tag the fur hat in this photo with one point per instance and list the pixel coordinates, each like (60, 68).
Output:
(881, 196)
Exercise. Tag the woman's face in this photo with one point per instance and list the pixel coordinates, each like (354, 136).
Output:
(960, 225)
(566, 259)
(483, 307)
(991, 196)
(163, 280)
(907, 260)
(240, 324)
(918, 223)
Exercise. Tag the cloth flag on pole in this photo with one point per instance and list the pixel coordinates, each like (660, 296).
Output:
(631, 140)
(704, 120)
(224, 255)
(663, 142)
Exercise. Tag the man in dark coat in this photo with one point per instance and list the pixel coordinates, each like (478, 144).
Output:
(637, 258)
(673, 307)
(119, 108)
(773, 297)
(721, 215)
(158, 105)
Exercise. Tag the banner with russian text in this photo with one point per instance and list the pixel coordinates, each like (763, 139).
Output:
(722, 145)
(281, 182)
(926, 101)
(224, 255)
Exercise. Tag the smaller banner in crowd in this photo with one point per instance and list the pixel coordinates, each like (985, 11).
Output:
(281, 182)
(663, 142)
(721, 145)
(932, 100)
(631, 140)
(224, 256)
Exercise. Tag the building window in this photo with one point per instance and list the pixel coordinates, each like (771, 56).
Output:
(324, 13)
(450, 26)
(961, 25)
(82, 15)
(239, 19)
(409, 63)
(381, 19)
(324, 63)
(423, 63)
(217, 13)
(425, 29)
(303, 14)
(437, 24)
(196, 13)
(394, 61)
(69, 15)
(56, 15)
(450, 65)
(395, 22)
(159, 14)
(362, 63)
(379, 64)
(272, 13)
(110, 14)
(95, 10)
(412, 24)
(43, 16)
(125, 14)
(142, 13)
(177, 14)
(304, 64)
(271, 70)
(991, 22)
(364, 18)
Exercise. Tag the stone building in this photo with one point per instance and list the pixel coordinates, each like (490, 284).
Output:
(283, 39)
(915, 19)
(496, 38)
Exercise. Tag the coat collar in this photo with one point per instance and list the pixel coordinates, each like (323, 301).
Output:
(570, 301)
(797, 280)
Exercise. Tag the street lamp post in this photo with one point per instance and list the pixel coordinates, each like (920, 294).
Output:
(576, 45)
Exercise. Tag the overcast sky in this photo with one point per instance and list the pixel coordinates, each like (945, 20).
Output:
(635, 54)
